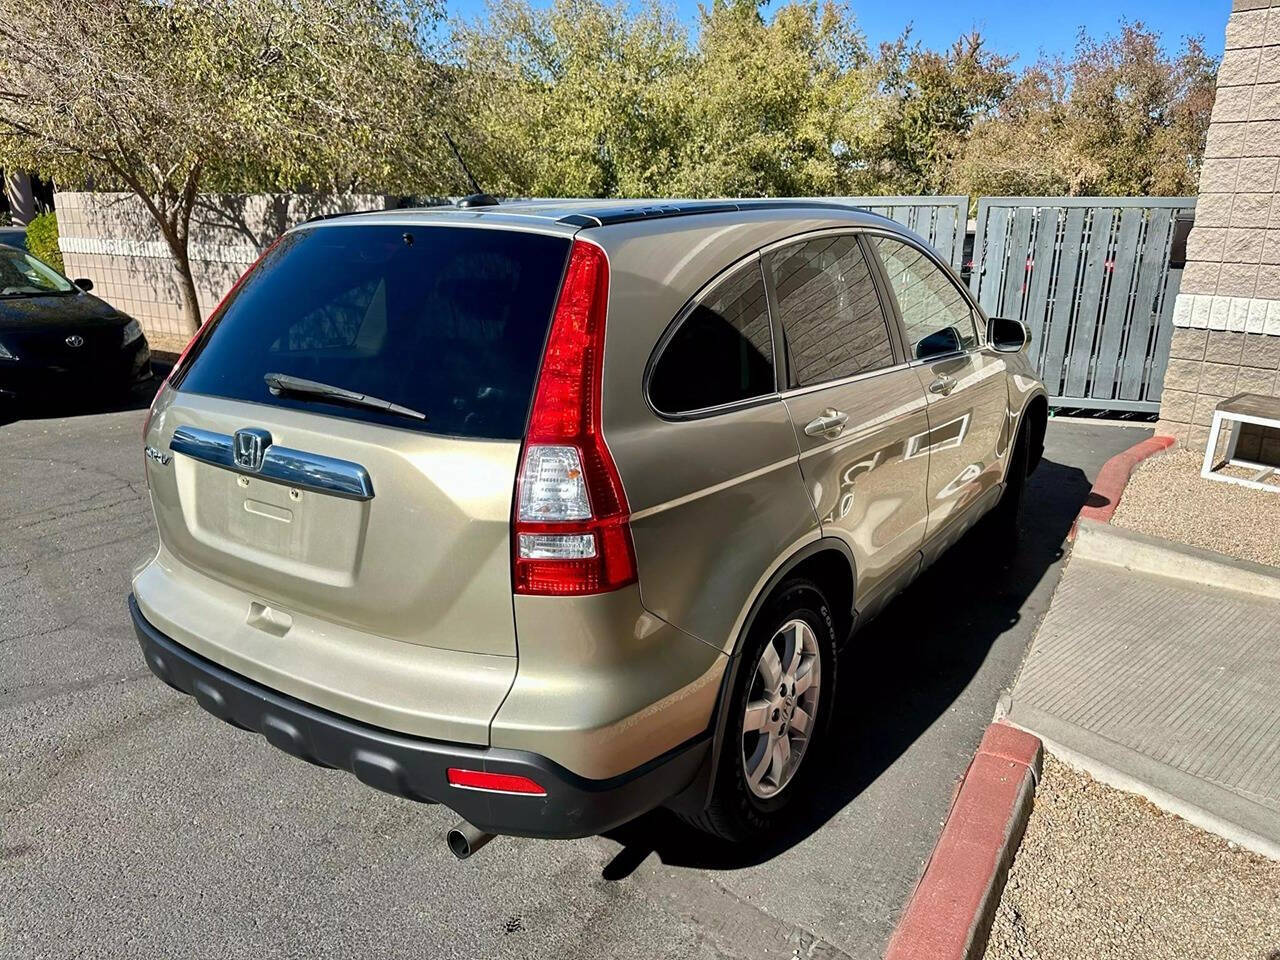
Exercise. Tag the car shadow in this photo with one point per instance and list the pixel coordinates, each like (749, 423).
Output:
(138, 397)
(897, 676)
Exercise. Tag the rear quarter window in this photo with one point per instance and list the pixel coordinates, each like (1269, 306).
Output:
(721, 352)
(450, 321)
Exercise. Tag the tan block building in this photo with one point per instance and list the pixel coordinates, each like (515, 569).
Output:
(1226, 337)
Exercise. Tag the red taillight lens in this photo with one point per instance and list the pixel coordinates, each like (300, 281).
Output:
(497, 782)
(571, 532)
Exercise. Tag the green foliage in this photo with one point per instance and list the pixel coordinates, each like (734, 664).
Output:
(166, 99)
(574, 98)
(934, 101)
(598, 98)
(578, 99)
(1119, 118)
(785, 106)
(42, 239)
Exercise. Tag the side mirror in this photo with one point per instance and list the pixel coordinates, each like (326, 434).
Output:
(939, 344)
(84, 283)
(1007, 336)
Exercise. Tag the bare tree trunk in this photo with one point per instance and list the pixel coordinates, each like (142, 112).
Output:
(171, 210)
(177, 241)
(191, 316)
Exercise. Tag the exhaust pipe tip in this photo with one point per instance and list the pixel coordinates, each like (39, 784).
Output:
(464, 839)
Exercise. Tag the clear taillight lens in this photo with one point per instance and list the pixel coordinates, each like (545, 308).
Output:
(557, 546)
(552, 487)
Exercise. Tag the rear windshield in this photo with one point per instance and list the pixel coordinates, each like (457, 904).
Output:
(449, 321)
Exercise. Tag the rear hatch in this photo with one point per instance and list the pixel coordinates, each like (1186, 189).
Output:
(390, 523)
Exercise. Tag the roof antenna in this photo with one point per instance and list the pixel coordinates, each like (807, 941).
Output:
(477, 198)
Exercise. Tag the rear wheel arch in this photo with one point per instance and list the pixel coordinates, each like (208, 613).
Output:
(829, 564)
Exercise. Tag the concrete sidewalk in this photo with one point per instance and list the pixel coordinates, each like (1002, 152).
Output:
(1157, 670)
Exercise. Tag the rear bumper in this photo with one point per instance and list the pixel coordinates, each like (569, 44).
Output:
(416, 768)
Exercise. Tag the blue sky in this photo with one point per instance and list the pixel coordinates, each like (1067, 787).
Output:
(1020, 27)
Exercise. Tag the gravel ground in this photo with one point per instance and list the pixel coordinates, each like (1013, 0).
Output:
(1167, 497)
(1105, 874)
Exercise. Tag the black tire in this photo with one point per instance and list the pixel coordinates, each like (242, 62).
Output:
(1000, 528)
(735, 812)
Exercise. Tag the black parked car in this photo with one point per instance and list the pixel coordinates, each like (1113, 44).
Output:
(57, 339)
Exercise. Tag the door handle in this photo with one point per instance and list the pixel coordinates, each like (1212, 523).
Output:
(829, 424)
(943, 385)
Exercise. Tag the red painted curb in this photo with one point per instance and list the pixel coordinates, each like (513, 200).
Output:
(949, 915)
(1112, 479)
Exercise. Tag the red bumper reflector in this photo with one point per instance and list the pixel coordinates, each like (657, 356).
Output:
(497, 782)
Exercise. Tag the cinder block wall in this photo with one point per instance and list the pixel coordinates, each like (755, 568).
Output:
(111, 239)
(1226, 337)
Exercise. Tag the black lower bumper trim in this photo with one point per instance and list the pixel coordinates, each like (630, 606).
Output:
(416, 768)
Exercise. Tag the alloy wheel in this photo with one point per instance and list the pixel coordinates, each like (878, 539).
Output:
(782, 706)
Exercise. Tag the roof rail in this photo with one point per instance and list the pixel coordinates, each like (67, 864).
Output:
(607, 216)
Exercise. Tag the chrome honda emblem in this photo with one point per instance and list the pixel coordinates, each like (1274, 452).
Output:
(250, 447)
(75, 340)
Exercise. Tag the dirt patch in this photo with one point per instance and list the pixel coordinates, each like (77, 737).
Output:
(1104, 874)
(1166, 497)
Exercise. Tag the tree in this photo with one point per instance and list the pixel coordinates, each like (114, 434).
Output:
(580, 98)
(595, 98)
(935, 101)
(166, 99)
(1119, 118)
(777, 107)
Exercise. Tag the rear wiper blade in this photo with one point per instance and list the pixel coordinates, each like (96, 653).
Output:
(280, 383)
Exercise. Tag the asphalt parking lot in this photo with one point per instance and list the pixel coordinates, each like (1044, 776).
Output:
(134, 824)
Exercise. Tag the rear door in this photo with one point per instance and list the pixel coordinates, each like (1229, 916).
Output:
(964, 384)
(377, 521)
(856, 408)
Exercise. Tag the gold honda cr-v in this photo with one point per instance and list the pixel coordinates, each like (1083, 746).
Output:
(556, 512)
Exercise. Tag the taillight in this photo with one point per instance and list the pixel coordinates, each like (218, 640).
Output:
(570, 520)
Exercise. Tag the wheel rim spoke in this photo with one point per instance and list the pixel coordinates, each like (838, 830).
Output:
(800, 634)
(804, 680)
(760, 762)
(757, 716)
(770, 669)
(781, 754)
(800, 722)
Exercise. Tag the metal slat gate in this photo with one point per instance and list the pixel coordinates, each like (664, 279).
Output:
(940, 220)
(1091, 278)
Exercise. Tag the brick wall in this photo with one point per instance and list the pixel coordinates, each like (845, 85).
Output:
(1226, 337)
(111, 239)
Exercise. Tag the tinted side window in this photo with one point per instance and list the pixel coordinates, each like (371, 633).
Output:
(937, 317)
(830, 312)
(721, 352)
